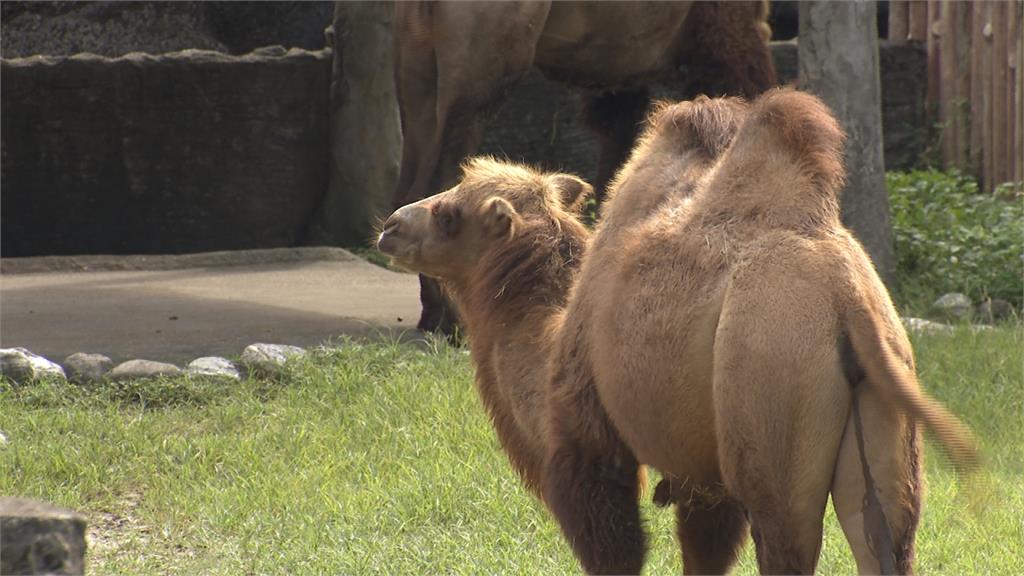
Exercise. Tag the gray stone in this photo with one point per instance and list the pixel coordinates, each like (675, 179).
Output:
(268, 359)
(954, 305)
(83, 368)
(993, 310)
(39, 538)
(926, 326)
(20, 365)
(142, 369)
(213, 366)
(3, 440)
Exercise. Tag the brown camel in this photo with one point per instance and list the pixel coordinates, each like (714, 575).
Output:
(454, 59)
(737, 338)
(506, 243)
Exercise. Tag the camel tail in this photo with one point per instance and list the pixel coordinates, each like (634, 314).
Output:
(896, 382)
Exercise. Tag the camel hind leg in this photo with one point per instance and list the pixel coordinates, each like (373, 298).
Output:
(781, 403)
(877, 488)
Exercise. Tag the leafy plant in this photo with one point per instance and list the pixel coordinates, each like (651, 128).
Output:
(952, 238)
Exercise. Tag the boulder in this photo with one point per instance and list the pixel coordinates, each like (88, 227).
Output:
(39, 538)
(20, 365)
(953, 305)
(269, 359)
(82, 368)
(213, 366)
(133, 369)
(926, 326)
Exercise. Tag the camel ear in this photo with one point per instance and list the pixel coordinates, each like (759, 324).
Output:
(572, 191)
(499, 217)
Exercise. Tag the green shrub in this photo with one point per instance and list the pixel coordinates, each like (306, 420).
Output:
(952, 238)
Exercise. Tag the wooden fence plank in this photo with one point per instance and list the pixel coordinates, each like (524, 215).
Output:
(917, 20)
(898, 20)
(977, 88)
(1012, 71)
(986, 94)
(947, 80)
(1000, 19)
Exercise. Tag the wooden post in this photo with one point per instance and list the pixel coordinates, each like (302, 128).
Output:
(917, 20)
(898, 21)
(999, 52)
(836, 37)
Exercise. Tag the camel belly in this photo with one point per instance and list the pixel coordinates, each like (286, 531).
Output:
(609, 44)
(654, 377)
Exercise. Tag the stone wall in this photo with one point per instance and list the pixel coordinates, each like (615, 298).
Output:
(196, 151)
(185, 152)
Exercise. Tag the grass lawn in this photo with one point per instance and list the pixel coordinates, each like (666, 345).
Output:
(377, 458)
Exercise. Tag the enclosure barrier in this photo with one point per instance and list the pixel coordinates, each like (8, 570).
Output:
(975, 85)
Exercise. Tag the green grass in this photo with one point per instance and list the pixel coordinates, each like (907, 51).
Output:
(377, 458)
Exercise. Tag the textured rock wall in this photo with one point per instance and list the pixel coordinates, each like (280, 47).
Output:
(117, 28)
(196, 151)
(184, 152)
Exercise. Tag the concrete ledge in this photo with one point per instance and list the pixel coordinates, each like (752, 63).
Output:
(106, 263)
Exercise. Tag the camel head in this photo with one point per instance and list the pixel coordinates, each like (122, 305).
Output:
(444, 235)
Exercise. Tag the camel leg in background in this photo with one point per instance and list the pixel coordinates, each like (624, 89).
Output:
(445, 79)
(615, 117)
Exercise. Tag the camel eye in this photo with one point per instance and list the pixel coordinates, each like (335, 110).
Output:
(448, 221)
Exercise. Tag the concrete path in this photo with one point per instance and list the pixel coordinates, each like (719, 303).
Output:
(177, 308)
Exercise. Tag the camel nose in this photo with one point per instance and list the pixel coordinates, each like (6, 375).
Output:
(386, 241)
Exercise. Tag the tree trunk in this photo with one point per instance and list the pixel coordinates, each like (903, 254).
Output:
(838, 55)
(366, 134)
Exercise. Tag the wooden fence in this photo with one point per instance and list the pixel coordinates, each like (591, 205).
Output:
(975, 82)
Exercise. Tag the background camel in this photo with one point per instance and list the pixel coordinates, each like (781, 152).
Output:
(739, 340)
(454, 59)
(506, 242)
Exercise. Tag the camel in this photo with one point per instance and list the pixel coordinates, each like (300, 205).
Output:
(505, 242)
(734, 336)
(453, 60)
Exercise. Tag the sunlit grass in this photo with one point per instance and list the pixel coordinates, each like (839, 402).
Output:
(377, 458)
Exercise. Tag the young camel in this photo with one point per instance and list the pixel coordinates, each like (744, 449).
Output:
(738, 339)
(506, 242)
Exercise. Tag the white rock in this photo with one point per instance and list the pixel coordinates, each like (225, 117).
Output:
(926, 326)
(269, 358)
(213, 366)
(85, 368)
(133, 369)
(3, 440)
(954, 304)
(20, 365)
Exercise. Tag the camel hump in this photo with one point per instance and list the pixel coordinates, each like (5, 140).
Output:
(805, 126)
(896, 382)
(707, 124)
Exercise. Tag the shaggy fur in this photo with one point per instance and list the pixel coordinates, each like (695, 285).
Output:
(506, 243)
(712, 335)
